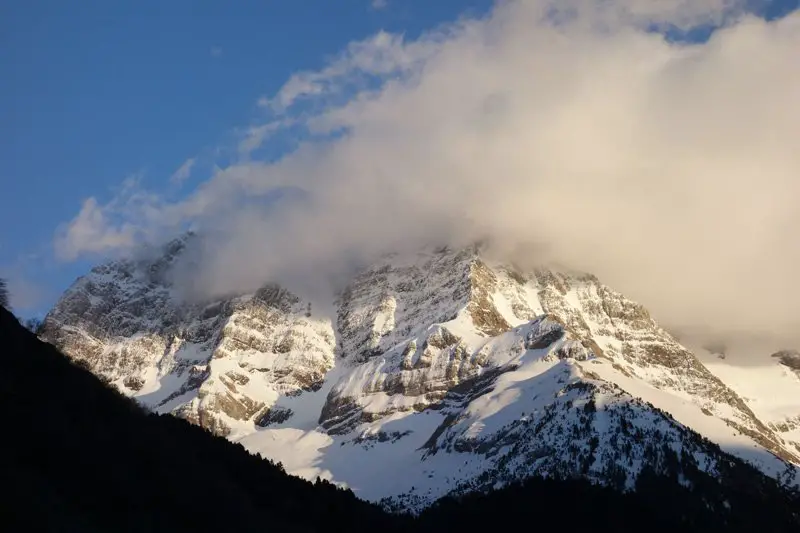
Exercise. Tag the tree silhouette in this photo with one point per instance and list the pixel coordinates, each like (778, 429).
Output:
(33, 325)
(4, 294)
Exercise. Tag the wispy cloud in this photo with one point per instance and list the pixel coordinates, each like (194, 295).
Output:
(184, 171)
(377, 5)
(670, 170)
(131, 217)
(255, 136)
(92, 231)
(216, 51)
(379, 57)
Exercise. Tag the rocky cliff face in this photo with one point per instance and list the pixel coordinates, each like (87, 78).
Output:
(221, 364)
(436, 372)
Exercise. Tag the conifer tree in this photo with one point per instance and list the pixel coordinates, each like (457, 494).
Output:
(4, 300)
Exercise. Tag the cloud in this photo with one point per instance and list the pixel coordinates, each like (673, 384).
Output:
(216, 51)
(382, 55)
(667, 169)
(131, 218)
(377, 5)
(91, 232)
(255, 136)
(183, 172)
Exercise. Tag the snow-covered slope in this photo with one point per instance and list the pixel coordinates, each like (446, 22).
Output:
(768, 383)
(432, 373)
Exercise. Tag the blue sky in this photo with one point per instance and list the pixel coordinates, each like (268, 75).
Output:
(99, 91)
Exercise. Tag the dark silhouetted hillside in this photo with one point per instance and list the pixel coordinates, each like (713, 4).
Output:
(78, 456)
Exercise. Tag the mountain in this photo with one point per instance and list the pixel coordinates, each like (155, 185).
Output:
(439, 373)
(771, 387)
(79, 456)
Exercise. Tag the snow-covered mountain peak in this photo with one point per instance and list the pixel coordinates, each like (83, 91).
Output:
(445, 365)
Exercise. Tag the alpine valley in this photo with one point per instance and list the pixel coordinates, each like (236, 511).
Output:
(435, 373)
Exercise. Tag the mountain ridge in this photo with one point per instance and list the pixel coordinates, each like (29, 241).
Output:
(424, 366)
(99, 462)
